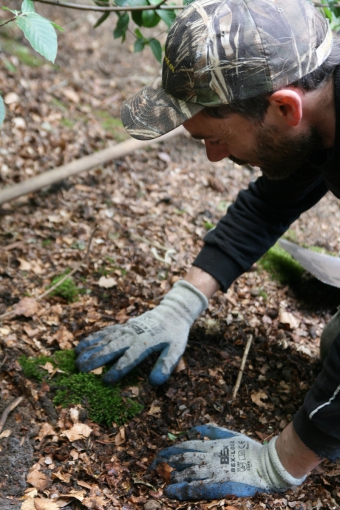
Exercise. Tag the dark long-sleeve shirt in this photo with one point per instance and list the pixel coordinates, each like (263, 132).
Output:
(259, 216)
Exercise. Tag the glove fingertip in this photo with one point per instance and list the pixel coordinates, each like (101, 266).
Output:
(156, 378)
(111, 377)
(213, 432)
(178, 491)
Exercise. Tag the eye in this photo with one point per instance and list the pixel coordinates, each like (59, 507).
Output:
(214, 142)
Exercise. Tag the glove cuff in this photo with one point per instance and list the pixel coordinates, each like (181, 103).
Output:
(277, 474)
(186, 299)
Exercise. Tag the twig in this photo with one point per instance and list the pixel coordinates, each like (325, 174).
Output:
(243, 362)
(8, 409)
(74, 270)
(81, 7)
(8, 21)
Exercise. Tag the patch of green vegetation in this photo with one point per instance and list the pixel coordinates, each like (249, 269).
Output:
(291, 235)
(208, 225)
(59, 104)
(103, 403)
(112, 125)
(46, 242)
(23, 53)
(281, 265)
(319, 249)
(68, 290)
(69, 123)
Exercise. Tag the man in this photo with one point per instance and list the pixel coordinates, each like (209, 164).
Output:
(258, 81)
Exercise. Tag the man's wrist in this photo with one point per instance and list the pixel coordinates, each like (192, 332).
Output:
(294, 455)
(202, 281)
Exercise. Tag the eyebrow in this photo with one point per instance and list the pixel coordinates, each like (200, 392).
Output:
(200, 137)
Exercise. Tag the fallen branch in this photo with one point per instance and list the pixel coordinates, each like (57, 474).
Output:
(243, 362)
(80, 165)
(8, 409)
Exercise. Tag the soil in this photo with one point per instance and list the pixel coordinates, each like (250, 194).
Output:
(144, 205)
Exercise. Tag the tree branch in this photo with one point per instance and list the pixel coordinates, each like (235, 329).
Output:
(8, 21)
(81, 7)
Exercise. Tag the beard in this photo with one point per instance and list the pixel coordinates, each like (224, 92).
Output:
(281, 154)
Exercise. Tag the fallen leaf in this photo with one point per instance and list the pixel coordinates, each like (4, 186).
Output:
(80, 495)
(45, 504)
(97, 371)
(5, 433)
(37, 479)
(24, 265)
(106, 282)
(48, 366)
(64, 477)
(78, 431)
(180, 366)
(71, 95)
(28, 505)
(289, 319)
(164, 471)
(257, 398)
(45, 430)
(154, 409)
(120, 437)
(27, 306)
(84, 484)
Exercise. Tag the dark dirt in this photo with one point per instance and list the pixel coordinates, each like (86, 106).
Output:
(157, 199)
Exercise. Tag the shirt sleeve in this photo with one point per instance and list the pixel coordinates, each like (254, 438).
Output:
(258, 217)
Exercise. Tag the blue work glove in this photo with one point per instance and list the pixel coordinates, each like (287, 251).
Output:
(227, 464)
(164, 329)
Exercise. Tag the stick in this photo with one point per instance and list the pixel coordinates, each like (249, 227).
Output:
(80, 165)
(8, 409)
(243, 362)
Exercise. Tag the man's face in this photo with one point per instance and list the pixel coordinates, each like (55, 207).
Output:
(237, 138)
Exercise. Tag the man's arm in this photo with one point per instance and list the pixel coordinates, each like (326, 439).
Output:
(202, 281)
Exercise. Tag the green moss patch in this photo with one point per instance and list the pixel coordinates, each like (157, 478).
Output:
(281, 265)
(104, 403)
(68, 290)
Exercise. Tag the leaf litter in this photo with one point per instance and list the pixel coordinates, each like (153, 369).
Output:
(152, 209)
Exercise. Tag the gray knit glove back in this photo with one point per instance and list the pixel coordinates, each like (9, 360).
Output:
(164, 329)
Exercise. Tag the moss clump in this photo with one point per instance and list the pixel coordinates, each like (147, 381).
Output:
(281, 265)
(68, 290)
(103, 403)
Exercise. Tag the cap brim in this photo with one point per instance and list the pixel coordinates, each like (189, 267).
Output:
(152, 112)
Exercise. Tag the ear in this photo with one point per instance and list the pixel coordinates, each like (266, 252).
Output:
(287, 104)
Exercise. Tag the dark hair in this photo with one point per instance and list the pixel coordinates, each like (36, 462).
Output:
(255, 108)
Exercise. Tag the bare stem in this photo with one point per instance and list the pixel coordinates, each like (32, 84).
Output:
(8, 21)
(81, 7)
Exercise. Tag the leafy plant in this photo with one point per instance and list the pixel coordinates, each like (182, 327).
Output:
(103, 403)
(38, 30)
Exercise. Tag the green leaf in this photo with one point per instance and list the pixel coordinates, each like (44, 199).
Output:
(139, 34)
(167, 16)
(40, 34)
(137, 15)
(27, 6)
(156, 49)
(139, 45)
(121, 27)
(150, 19)
(2, 110)
(101, 19)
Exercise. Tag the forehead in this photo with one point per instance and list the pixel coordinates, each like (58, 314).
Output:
(202, 126)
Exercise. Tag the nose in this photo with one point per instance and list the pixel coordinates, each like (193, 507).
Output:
(216, 152)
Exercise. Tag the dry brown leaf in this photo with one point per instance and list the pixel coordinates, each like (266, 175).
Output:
(155, 409)
(84, 484)
(164, 471)
(78, 431)
(48, 366)
(64, 338)
(289, 319)
(28, 505)
(257, 397)
(5, 433)
(27, 306)
(120, 437)
(37, 479)
(106, 282)
(24, 265)
(45, 430)
(97, 502)
(71, 95)
(80, 495)
(181, 366)
(64, 477)
(45, 504)
(216, 184)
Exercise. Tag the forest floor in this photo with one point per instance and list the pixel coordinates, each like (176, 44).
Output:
(151, 209)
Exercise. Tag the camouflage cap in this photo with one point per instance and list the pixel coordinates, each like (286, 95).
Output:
(219, 51)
